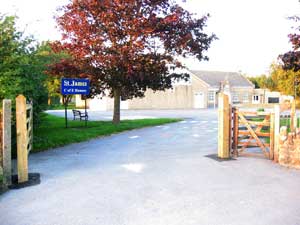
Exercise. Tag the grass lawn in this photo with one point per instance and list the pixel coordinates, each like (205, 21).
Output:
(287, 122)
(52, 132)
(60, 106)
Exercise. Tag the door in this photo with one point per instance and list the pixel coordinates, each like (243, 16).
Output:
(199, 100)
(255, 99)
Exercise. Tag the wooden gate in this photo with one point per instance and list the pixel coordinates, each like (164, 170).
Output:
(241, 128)
(253, 129)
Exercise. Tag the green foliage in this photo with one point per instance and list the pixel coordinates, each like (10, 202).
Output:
(21, 66)
(61, 106)
(263, 81)
(260, 110)
(254, 80)
(287, 122)
(52, 132)
(285, 80)
(47, 57)
(23, 63)
(279, 80)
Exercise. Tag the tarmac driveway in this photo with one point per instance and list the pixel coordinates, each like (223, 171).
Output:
(140, 114)
(154, 176)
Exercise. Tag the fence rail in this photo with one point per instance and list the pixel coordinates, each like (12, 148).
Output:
(249, 131)
(29, 125)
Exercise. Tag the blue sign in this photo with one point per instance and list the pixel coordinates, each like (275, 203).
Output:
(72, 86)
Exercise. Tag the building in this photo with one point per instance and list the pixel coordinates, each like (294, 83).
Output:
(265, 96)
(199, 92)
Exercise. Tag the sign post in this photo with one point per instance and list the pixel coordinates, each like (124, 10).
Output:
(66, 106)
(73, 86)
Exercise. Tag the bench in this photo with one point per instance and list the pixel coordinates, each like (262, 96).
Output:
(80, 115)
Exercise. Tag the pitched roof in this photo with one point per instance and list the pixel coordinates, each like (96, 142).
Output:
(215, 78)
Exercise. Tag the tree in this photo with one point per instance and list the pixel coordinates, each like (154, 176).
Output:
(128, 46)
(46, 56)
(263, 81)
(284, 79)
(279, 80)
(21, 68)
(291, 60)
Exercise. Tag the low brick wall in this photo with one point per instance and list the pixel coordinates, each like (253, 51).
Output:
(289, 148)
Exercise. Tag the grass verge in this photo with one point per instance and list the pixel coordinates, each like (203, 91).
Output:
(52, 132)
(60, 106)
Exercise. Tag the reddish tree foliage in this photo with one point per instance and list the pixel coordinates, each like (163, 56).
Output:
(291, 59)
(128, 46)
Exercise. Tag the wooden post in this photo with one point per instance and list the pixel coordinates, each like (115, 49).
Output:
(272, 121)
(230, 130)
(223, 131)
(293, 115)
(276, 131)
(6, 143)
(235, 130)
(22, 154)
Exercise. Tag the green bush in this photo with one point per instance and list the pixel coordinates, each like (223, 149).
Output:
(260, 110)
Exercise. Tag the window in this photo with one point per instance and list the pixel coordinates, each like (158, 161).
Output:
(273, 100)
(245, 97)
(211, 96)
(255, 98)
(235, 97)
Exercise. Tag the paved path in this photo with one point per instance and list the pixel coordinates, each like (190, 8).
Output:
(154, 176)
(140, 114)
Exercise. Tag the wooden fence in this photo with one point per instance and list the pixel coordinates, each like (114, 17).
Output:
(5, 141)
(24, 124)
(240, 130)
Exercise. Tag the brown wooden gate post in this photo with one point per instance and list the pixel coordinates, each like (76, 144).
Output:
(276, 131)
(235, 131)
(293, 116)
(272, 125)
(22, 154)
(224, 126)
(6, 140)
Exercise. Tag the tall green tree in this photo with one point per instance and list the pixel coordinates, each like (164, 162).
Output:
(263, 81)
(45, 57)
(22, 66)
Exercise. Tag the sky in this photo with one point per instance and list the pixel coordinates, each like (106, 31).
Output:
(251, 33)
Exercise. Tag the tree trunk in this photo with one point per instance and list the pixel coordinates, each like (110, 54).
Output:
(117, 102)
